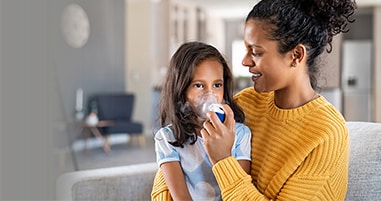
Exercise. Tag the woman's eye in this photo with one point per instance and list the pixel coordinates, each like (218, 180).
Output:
(255, 54)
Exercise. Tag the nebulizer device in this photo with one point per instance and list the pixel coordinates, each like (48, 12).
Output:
(208, 102)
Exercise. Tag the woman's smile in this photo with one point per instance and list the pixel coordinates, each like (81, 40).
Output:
(255, 76)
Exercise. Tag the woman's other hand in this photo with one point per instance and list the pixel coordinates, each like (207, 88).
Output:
(219, 137)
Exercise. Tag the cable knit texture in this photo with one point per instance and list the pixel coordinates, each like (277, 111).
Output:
(160, 190)
(297, 154)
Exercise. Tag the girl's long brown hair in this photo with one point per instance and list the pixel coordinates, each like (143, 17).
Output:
(173, 105)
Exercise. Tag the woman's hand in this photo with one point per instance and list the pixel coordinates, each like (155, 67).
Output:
(219, 137)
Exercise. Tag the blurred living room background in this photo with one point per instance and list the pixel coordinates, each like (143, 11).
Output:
(57, 54)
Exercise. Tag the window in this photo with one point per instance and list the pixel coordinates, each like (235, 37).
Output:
(238, 52)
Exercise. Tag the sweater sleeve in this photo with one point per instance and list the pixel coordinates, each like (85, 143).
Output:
(303, 155)
(235, 184)
(160, 191)
(319, 177)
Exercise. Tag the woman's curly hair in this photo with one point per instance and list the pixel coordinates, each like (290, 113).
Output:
(312, 23)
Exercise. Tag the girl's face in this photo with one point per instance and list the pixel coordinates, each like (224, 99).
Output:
(208, 77)
(270, 70)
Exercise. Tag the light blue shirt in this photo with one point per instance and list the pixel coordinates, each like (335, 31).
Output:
(194, 160)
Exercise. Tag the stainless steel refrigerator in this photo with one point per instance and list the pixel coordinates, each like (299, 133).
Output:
(356, 79)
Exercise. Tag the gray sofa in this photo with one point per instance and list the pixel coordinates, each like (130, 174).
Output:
(134, 182)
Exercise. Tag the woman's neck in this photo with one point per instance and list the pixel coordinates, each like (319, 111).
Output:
(289, 99)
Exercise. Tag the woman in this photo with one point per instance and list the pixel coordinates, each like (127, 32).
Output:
(300, 142)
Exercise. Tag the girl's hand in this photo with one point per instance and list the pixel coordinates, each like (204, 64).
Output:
(219, 137)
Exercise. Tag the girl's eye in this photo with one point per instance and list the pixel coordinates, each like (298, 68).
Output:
(218, 85)
(198, 85)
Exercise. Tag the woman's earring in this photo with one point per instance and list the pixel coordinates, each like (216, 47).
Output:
(293, 64)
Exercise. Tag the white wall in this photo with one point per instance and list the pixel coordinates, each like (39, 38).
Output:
(140, 58)
(215, 33)
(377, 64)
(39, 77)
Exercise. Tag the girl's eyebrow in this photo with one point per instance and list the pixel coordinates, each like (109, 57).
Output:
(200, 80)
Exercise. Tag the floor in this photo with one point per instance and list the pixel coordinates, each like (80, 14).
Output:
(124, 151)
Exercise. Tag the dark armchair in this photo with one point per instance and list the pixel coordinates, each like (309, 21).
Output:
(118, 108)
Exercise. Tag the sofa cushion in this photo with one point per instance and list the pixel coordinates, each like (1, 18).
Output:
(131, 182)
(364, 161)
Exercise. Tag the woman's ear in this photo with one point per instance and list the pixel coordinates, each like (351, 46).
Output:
(298, 55)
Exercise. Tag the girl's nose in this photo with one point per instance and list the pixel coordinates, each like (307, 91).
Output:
(208, 89)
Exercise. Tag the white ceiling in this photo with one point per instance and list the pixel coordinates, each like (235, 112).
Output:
(240, 8)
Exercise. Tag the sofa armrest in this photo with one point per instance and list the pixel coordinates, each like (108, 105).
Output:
(131, 182)
(364, 179)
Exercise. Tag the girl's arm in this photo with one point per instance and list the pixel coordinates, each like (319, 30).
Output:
(174, 178)
(245, 164)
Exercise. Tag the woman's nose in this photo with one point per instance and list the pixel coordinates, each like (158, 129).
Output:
(247, 61)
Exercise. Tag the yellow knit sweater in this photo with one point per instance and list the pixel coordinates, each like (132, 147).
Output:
(297, 154)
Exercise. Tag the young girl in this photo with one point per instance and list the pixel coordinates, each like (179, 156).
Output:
(197, 73)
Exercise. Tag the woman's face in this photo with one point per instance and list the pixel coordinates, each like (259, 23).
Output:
(208, 77)
(270, 70)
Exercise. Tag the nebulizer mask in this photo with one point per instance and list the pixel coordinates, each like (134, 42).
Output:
(208, 102)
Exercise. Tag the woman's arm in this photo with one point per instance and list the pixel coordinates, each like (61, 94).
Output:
(234, 182)
(174, 178)
(160, 191)
(322, 175)
(311, 181)
(232, 176)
